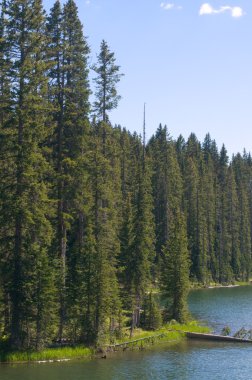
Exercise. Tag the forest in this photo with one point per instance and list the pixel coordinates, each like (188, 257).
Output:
(93, 219)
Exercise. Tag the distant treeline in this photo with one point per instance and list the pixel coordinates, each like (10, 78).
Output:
(91, 219)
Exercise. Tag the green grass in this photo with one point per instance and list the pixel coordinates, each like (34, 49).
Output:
(189, 327)
(171, 332)
(155, 337)
(242, 283)
(197, 285)
(47, 354)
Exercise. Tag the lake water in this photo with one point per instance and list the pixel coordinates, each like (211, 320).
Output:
(221, 307)
(190, 360)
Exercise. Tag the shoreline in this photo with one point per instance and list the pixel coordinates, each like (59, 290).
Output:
(217, 285)
(168, 334)
(223, 286)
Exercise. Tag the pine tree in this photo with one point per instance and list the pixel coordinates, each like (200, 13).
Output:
(69, 92)
(211, 218)
(6, 172)
(234, 222)
(4, 66)
(131, 174)
(191, 183)
(242, 180)
(91, 218)
(106, 188)
(223, 243)
(144, 236)
(27, 130)
(126, 257)
(158, 149)
(209, 204)
(144, 239)
(202, 220)
(152, 319)
(166, 187)
(108, 75)
(175, 274)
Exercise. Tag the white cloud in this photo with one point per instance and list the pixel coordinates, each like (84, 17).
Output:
(207, 9)
(169, 6)
(88, 2)
(237, 12)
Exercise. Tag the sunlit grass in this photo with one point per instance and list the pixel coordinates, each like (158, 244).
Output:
(192, 326)
(171, 332)
(198, 285)
(47, 354)
(145, 338)
(243, 283)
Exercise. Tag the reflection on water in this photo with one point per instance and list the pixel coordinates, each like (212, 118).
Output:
(223, 307)
(191, 360)
(188, 361)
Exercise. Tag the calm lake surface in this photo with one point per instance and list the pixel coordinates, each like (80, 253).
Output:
(189, 360)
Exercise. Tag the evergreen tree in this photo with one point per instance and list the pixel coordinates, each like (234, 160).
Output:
(126, 257)
(209, 212)
(166, 187)
(69, 91)
(202, 228)
(105, 185)
(144, 238)
(191, 200)
(158, 149)
(29, 206)
(91, 218)
(242, 179)
(152, 319)
(234, 222)
(4, 66)
(175, 271)
(108, 75)
(135, 260)
(223, 242)
(143, 244)
(6, 173)
(210, 155)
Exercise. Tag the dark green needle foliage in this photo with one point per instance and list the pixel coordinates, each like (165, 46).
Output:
(92, 219)
(69, 92)
(152, 318)
(175, 273)
(26, 124)
(107, 76)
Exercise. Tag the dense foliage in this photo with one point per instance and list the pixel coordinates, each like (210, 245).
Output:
(91, 219)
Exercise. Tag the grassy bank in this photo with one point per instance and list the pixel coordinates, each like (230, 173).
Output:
(197, 285)
(49, 354)
(243, 283)
(170, 333)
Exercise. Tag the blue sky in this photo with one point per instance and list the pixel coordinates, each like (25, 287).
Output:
(190, 61)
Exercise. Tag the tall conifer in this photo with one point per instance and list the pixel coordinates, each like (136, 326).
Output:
(69, 92)
(28, 130)
(108, 75)
(175, 274)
